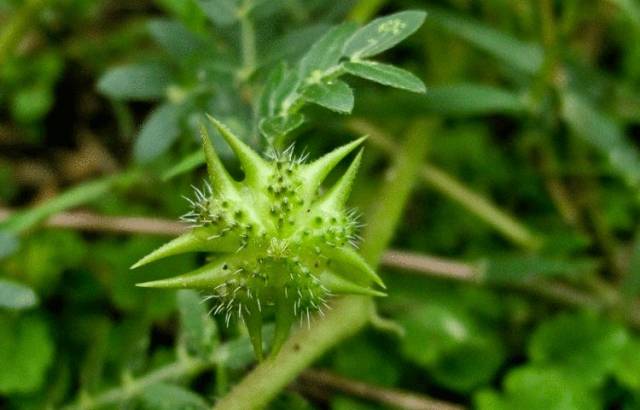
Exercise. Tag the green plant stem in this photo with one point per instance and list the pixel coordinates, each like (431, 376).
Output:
(17, 26)
(394, 193)
(349, 314)
(76, 196)
(247, 41)
(480, 206)
(447, 185)
(180, 369)
(131, 388)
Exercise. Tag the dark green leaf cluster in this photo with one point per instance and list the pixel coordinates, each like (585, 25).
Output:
(316, 78)
(196, 76)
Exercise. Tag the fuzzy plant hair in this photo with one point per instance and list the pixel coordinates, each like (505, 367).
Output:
(280, 247)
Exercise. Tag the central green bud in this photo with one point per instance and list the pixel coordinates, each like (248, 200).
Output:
(279, 246)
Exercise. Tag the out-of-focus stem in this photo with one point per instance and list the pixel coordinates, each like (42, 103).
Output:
(247, 41)
(447, 185)
(392, 397)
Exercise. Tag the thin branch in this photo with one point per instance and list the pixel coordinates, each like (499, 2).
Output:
(86, 221)
(431, 266)
(437, 267)
(455, 190)
(396, 398)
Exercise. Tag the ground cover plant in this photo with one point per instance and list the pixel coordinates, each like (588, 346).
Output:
(326, 205)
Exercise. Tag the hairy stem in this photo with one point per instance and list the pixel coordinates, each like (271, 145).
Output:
(348, 315)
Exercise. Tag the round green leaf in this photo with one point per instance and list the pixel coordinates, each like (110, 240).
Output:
(26, 351)
(582, 345)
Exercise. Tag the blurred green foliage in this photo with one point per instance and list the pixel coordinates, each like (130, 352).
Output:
(537, 112)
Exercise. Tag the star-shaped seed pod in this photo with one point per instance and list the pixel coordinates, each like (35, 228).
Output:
(279, 246)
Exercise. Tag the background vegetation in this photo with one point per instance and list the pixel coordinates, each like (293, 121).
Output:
(514, 270)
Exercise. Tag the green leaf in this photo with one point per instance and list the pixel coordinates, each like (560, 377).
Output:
(267, 105)
(603, 134)
(158, 132)
(115, 257)
(292, 44)
(335, 95)
(280, 92)
(285, 92)
(582, 346)
(630, 9)
(238, 353)
(187, 12)
(9, 243)
(26, 352)
(135, 82)
(198, 330)
(16, 296)
(386, 74)
(185, 165)
(383, 33)
(326, 52)
(537, 388)
(220, 12)
(45, 256)
(31, 104)
(469, 365)
(449, 344)
(627, 368)
(526, 57)
(164, 396)
(174, 38)
(74, 197)
(472, 99)
(361, 359)
(461, 100)
(278, 126)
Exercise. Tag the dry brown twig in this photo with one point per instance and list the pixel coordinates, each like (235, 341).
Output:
(314, 380)
(426, 265)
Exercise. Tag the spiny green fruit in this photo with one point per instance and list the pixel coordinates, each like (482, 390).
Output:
(278, 245)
